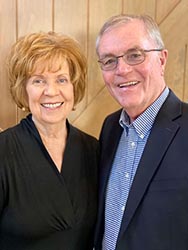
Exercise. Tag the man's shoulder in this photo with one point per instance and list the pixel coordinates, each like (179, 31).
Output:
(175, 104)
(114, 116)
(111, 124)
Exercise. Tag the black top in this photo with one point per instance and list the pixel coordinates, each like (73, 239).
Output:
(40, 208)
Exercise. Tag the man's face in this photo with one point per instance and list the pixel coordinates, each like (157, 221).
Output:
(134, 87)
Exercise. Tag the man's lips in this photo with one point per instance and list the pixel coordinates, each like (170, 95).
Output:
(127, 84)
(52, 105)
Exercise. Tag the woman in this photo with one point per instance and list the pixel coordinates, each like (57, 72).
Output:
(48, 170)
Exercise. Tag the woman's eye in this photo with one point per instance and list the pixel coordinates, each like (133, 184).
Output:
(39, 81)
(62, 80)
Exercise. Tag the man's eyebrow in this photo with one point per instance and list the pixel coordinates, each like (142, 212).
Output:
(106, 55)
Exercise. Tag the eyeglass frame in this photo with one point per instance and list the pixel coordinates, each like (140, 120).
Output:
(144, 51)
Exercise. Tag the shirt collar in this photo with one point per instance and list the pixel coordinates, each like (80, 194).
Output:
(144, 122)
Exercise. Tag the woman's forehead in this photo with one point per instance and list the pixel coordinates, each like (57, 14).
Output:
(50, 64)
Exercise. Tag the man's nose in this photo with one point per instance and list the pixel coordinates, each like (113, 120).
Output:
(122, 66)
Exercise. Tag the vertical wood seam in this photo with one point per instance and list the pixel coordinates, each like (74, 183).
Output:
(184, 73)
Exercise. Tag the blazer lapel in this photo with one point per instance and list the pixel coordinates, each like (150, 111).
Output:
(109, 150)
(109, 140)
(161, 136)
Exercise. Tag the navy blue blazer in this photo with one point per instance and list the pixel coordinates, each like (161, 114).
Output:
(156, 215)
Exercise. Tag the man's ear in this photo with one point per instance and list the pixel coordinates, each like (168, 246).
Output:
(163, 60)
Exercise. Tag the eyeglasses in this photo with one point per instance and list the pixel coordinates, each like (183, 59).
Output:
(131, 57)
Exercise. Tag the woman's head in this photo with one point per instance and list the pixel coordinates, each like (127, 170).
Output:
(49, 51)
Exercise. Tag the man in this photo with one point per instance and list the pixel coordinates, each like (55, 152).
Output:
(143, 200)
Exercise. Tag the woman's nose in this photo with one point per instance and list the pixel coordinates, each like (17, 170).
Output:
(51, 88)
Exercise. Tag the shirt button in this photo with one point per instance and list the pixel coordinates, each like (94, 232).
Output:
(132, 144)
(142, 136)
(126, 175)
(122, 208)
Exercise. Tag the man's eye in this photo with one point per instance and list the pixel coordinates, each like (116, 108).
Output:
(109, 61)
(134, 55)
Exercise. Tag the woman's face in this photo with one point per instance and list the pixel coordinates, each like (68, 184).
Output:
(50, 95)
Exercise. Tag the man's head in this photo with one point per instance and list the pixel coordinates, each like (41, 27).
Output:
(132, 58)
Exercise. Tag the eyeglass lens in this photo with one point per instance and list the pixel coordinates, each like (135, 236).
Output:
(131, 57)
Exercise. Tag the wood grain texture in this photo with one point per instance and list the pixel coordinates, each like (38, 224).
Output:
(175, 36)
(140, 7)
(164, 8)
(8, 111)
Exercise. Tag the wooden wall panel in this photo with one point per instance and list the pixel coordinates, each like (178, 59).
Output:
(34, 16)
(82, 19)
(72, 20)
(8, 111)
(185, 97)
(138, 7)
(93, 116)
(174, 28)
(164, 8)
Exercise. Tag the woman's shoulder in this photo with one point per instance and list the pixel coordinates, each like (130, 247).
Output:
(8, 132)
(7, 138)
(86, 141)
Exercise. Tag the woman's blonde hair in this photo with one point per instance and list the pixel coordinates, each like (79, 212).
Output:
(44, 49)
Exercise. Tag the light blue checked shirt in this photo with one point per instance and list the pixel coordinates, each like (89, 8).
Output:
(127, 158)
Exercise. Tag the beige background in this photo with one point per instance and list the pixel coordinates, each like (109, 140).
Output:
(83, 19)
